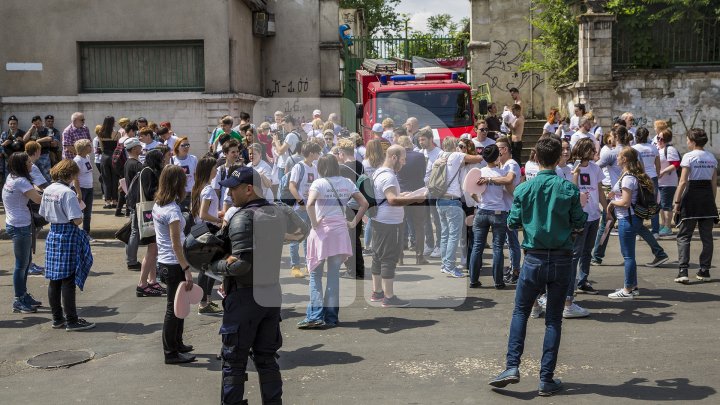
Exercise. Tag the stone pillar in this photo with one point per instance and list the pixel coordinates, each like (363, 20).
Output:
(330, 47)
(595, 82)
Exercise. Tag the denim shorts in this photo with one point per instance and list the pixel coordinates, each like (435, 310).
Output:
(667, 193)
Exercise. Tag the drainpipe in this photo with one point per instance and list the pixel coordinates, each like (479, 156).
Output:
(532, 54)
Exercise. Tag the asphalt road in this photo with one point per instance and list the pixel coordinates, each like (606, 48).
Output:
(662, 346)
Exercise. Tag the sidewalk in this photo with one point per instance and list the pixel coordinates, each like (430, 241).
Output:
(103, 224)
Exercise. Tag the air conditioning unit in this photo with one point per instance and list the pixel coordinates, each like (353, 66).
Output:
(263, 24)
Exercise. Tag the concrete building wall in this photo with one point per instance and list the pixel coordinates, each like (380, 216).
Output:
(499, 35)
(48, 32)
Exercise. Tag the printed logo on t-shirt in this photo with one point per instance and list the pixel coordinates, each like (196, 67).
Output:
(186, 169)
(310, 177)
(479, 149)
(584, 179)
(88, 166)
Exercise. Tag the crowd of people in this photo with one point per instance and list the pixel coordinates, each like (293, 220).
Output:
(400, 189)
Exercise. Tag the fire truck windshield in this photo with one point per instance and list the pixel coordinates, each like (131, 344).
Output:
(438, 108)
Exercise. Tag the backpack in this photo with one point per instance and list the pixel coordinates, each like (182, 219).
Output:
(646, 205)
(119, 158)
(286, 197)
(366, 186)
(438, 183)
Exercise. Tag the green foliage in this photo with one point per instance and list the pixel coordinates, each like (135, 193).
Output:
(441, 25)
(556, 46)
(380, 15)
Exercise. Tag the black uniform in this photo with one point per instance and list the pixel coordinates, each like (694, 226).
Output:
(251, 318)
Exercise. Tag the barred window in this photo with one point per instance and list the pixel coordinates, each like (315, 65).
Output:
(142, 66)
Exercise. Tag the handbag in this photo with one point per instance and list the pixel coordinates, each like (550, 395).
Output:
(143, 210)
(123, 234)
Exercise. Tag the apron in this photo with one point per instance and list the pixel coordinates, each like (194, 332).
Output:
(697, 202)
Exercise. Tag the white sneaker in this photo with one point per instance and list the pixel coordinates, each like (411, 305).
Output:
(575, 311)
(621, 295)
(435, 253)
(91, 240)
(614, 232)
(536, 312)
(542, 301)
(427, 251)
(656, 236)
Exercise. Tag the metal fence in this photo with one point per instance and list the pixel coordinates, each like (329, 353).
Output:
(142, 66)
(666, 45)
(406, 48)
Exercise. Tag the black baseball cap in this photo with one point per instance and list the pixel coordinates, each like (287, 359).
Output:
(49, 117)
(241, 175)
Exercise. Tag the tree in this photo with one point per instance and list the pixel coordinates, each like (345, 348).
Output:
(380, 15)
(441, 25)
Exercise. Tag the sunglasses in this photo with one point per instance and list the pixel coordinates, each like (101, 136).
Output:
(185, 145)
(482, 129)
(461, 146)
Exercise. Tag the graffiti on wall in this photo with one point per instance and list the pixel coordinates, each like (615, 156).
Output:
(505, 63)
(278, 87)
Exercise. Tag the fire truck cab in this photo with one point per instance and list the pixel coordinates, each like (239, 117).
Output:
(434, 96)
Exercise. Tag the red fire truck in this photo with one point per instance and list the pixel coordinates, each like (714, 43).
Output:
(434, 96)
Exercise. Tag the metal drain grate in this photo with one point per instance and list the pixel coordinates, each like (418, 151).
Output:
(60, 358)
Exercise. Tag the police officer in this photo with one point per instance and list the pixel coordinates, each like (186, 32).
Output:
(251, 321)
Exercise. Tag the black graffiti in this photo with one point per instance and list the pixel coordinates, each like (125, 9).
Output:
(299, 86)
(507, 59)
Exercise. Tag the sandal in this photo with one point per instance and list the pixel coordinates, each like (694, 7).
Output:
(147, 292)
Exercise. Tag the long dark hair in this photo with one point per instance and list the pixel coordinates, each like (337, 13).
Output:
(171, 185)
(106, 130)
(202, 178)
(17, 165)
(154, 160)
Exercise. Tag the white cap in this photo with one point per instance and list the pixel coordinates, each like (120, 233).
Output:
(317, 112)
(465, 136)
(377, 127)
(131, 143)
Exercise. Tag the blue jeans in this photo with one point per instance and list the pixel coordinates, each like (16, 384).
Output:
(432, 237)
(540, 273)
(599, 250)
(452, 219)
(484, 220)
(655, 220)
(327, 308)
(627, 230)
(582, 253)
(295, 246)
(22, 241)
(368, 234)
(513, 248)
(644, 233)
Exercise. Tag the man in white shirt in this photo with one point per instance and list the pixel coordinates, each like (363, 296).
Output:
(301, 177)
(510, 166)
(386, 243)
(431, 152)
(145, 136)
(585, 124)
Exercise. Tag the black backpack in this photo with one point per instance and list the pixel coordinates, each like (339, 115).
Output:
(646, 205)
(119, 158)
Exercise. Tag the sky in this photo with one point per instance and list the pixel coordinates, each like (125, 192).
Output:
(420, 10)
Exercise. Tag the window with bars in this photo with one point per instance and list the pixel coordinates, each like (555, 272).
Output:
(142, 66)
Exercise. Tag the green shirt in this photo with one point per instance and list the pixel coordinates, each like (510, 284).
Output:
(548, 209)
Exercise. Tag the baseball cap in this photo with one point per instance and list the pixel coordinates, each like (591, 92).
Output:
(165, 124)
(377, 127)
(317, 112)
(241, 175)
(131, 143)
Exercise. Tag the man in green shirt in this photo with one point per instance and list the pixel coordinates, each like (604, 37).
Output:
(549, 211)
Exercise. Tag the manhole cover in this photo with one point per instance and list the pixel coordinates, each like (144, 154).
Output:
(60, 358)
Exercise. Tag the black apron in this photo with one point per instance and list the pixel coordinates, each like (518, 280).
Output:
(697, 202)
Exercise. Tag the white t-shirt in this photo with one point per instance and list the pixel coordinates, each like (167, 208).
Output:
(326, 204)
(509, 166)
(548, 127)
(578, 136)
(17, 212)
(367, 167)
(171, 142)
(669, 179)
(480, 145)
(264, 168)
(564, 171)
(291, 139)
(384, 179)
(531, 170)
(574, 123)
(86, 171)
(608, 159)
(360, 153)
(647, 153)
(97, 148)
(493, 198)
(60, 204)
(630, 183)
(388, 135)
(702, 164)
(303, 185)
(588, 182)
(430, 157)
(463, 172)
(37, 177)
(188, 165)
(453, 168)
(208, 193)
(147, 147)
(163, 216)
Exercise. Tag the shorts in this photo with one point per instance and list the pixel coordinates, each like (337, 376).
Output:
(667, 193)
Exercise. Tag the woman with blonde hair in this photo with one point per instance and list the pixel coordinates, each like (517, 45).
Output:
(624, 195)
(317, 129)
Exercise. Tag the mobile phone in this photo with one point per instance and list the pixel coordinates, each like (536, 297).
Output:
(576, 164)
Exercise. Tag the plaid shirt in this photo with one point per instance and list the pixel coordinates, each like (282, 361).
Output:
(70, 135)
(67, 253)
